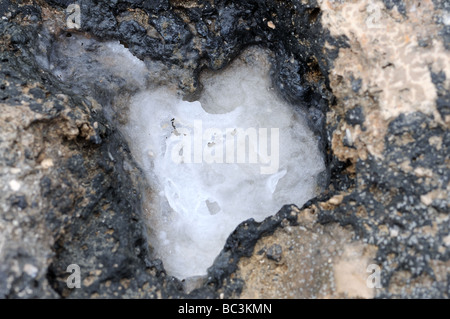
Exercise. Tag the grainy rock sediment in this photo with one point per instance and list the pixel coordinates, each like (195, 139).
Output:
(374, 79)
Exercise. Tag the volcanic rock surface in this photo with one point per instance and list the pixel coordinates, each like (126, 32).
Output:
(374, 79)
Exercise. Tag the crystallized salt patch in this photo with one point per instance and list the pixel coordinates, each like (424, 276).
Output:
(239, 152)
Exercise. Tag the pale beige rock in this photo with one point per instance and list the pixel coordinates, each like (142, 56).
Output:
(317, 262)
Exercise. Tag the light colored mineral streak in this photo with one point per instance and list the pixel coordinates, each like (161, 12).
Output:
(399, 69)
(395, 71)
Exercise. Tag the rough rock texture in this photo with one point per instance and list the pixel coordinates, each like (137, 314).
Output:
(390, 127)
(374, 78)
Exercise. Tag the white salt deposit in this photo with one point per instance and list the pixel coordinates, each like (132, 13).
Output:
(238, 153)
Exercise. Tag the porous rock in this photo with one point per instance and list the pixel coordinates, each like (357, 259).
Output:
(374, 78)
